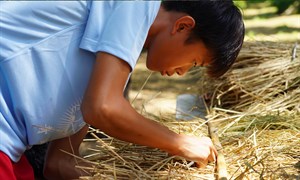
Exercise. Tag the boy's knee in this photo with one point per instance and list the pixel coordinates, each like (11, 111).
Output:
(51, 170)
(62, 167)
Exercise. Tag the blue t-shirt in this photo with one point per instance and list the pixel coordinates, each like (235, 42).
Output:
(47, 50)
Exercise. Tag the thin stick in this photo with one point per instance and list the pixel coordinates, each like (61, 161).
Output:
(221, 169)
(221, 164)
(294, 51)
(109, 148)
(142, 87)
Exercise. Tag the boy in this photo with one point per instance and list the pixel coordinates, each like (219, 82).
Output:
(64, 65)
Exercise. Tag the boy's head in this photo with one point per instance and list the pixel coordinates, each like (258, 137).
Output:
(218, 26)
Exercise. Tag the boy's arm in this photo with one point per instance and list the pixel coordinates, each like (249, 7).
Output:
(105, 108)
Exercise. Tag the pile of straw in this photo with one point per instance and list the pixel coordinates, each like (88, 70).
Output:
(115, 159)
(264, 82)
(257, 108)
(263, 73)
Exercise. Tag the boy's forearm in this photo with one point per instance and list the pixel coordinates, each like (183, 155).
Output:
(126, 124)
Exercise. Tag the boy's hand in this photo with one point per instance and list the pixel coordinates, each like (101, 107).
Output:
(201, 150)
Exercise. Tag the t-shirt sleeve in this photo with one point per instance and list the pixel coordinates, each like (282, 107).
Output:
(119, 28)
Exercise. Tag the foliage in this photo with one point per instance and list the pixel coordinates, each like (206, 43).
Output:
(281, 5)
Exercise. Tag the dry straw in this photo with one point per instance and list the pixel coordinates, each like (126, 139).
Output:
(256, 107)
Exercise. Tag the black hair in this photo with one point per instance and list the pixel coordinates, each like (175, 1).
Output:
(219, 25)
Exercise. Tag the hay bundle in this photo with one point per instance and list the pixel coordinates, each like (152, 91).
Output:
(265, 80)
(263, 73)
(257, 106)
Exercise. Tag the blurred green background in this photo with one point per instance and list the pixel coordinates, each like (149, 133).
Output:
(282, 6)
(271, 20)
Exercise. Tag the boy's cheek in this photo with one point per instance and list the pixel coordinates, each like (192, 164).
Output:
(150, 65)
(156, 65)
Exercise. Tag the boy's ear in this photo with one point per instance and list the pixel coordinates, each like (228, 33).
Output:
(185, 23)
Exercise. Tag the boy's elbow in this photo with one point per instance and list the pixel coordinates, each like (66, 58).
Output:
(95, 114)
(87, 112)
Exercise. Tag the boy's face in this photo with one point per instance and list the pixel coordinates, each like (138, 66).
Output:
(169, 55)
(167, 51)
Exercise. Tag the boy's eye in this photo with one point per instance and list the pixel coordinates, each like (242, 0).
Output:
(195, 63)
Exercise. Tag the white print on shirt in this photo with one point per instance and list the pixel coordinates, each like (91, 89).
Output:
(72, 118)
(69, 124)
(44, 129)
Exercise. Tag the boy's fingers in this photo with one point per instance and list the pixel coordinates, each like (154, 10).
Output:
(202, 164)
(211, 157)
